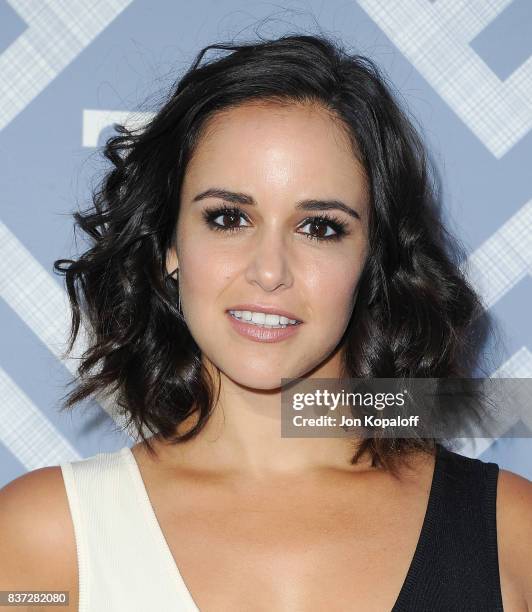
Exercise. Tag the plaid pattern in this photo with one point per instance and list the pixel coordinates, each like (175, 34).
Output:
(504, 259)
(435, 38)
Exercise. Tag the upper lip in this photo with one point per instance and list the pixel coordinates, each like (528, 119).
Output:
(266, 309)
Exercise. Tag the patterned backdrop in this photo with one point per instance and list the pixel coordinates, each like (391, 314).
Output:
(69, 69)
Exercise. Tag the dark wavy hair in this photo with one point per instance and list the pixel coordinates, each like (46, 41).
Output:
(415, 315)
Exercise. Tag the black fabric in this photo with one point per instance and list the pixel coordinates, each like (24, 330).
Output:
(455, 567)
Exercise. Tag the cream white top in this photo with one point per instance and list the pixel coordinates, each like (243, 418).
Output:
(124, 562)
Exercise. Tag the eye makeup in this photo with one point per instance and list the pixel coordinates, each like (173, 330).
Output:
(321, 221)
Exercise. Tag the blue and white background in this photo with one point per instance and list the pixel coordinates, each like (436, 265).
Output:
(69, 69)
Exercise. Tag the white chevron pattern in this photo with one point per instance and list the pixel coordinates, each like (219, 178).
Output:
(28, 434)
(435, 38)
(57, 33)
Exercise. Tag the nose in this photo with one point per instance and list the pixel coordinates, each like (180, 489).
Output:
(269, 261)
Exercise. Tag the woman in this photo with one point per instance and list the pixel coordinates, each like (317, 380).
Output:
(279, 178)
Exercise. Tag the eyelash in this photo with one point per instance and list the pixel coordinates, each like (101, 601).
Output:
(339, 226)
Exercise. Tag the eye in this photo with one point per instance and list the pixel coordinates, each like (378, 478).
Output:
(215, 219)
(322, 222)
(211, 217)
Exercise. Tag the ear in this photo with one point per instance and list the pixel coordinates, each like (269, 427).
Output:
(171, 260)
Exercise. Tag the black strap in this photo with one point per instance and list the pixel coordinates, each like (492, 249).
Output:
(455, 567)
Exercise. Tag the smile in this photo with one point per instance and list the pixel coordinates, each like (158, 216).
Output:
(262, 319)
(263, 328)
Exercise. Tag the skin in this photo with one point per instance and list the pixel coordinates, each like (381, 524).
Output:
(270, 259)
(243, 510)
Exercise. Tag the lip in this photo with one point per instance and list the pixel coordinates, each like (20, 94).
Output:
(262, 334)
(266, 309)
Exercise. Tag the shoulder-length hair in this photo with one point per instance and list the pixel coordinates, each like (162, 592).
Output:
(415, 311)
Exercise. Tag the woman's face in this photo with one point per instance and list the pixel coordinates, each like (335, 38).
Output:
(272, 252)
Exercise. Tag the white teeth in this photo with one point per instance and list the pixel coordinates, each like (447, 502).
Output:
(262, 319)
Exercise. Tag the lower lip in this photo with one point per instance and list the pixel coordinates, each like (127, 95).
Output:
(262, 334)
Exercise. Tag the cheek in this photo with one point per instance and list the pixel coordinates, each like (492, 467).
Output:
(206, 271)
(331, 286)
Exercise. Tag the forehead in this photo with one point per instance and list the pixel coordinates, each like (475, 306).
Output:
(285, 145)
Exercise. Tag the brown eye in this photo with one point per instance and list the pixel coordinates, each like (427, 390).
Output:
(216, 219)
(225, 219)
(320, 226)
(233, 218)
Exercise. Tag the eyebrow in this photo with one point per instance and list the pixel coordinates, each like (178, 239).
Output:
(246, 200)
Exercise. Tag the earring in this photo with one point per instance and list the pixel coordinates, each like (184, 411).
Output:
(178, 289)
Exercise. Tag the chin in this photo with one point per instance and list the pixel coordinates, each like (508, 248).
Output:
(258, 380)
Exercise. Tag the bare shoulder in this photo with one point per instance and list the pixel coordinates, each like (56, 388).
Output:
(37, 535)
(514, 537)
